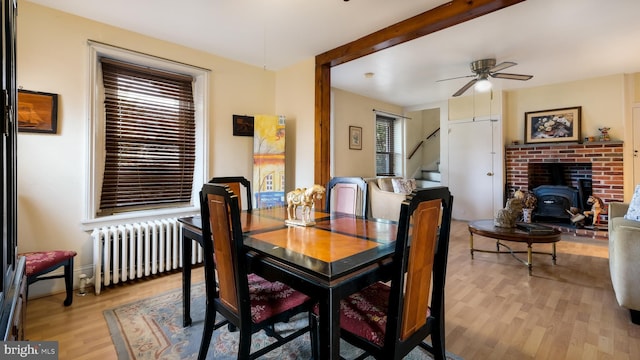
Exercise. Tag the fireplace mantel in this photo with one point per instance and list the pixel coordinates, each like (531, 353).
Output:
(605, 157)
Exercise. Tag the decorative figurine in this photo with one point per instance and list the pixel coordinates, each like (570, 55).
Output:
(306, 198)
(597, 207)
(576, 217)
(604, 133)
(508, 216)
(529, 202)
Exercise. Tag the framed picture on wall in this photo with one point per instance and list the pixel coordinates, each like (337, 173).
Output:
(355, 137)
(37, 112)
(242, 125)
(556, 125)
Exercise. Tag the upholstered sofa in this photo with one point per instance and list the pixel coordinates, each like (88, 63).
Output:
(624, 259)
(383, 202)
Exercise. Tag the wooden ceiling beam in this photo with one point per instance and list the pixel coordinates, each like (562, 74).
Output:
(438, 18)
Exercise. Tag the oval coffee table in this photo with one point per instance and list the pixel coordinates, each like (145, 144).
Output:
(487, 229)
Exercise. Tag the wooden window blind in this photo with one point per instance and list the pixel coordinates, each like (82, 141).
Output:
(385, 138)
(149, 138)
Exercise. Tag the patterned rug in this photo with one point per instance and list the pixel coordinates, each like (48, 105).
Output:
(152, 329)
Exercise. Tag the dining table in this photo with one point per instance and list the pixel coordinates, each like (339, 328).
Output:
(337, 256)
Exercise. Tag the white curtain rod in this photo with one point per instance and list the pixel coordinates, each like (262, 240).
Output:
(392, 114)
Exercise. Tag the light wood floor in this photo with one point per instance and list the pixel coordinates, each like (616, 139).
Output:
(494, 309)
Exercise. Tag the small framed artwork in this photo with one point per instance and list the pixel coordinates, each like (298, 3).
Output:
(556, 125)
(37, 112)
(242, 125)
(355, 137)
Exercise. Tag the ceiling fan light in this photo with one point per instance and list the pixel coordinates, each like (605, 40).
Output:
(482, 85)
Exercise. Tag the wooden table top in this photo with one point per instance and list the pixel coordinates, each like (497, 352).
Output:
(334, 247)
(488, 229)
(337, 245)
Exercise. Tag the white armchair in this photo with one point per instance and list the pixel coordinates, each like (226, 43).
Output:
(624, 259)
(384, 203)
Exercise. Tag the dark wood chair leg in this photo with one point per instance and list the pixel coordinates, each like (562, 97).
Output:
(209, 326)
(314, 336)
(68, 281)
(635, 316)
(244, 347)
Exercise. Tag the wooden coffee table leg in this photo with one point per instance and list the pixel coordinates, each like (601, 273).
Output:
(471, 244)
(553, 253)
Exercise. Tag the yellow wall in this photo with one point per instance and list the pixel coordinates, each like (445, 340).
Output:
(53, 57)
(601, 99)
(475, 105)
(354, 110)
(295, 89)
(636, 87)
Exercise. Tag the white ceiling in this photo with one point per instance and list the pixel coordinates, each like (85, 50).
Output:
(554, 40)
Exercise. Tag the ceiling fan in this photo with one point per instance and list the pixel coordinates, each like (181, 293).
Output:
(484, 69)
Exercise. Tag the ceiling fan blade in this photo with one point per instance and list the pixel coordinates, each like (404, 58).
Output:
(457, 77)
(465, 88)
(511, 76)
(502, 66)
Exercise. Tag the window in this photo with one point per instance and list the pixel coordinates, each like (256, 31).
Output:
(149, 138)
(268, 186)
(146, 136)
(385, 146)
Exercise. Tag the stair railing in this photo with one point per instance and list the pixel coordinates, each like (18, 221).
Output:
(415, 149)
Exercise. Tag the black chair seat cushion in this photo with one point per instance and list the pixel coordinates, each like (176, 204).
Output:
(364, 313)
(271, 298)
(39, 261)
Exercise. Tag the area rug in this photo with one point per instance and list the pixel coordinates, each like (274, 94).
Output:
(152, 329)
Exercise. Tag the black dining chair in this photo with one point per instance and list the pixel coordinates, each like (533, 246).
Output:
(247, 301)
(347, 195)
(236, 183)
(388, 322)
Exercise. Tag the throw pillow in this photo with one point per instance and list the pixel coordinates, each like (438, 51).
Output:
(403, 186)
(634, 206)
(385, 184)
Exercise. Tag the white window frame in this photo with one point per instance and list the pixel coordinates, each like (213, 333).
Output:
(96, 133)
(399, 149)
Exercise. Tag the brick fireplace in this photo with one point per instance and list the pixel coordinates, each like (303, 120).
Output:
(599, 163)
(603, 159)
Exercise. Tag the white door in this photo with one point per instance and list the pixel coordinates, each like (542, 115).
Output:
(475, 168)
(636, 145)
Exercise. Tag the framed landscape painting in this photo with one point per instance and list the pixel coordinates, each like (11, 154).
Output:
(37, 112)
(556, 125)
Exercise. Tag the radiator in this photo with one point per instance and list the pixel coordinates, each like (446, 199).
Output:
(133, 251)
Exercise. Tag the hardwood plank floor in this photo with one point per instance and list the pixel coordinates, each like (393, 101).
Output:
(494, 309)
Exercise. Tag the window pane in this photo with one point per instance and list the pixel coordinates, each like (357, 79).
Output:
(385, 145)
(149, 138)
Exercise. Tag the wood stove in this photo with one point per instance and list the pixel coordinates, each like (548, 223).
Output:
(554, 201)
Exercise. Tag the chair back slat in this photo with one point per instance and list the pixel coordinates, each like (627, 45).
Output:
(222, 250)
(416, 302)
(424, 232)
(235, 183)
(235, 187)
(345, 198)
(347, 195)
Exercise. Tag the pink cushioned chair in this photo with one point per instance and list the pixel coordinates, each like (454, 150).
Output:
(40, 263)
